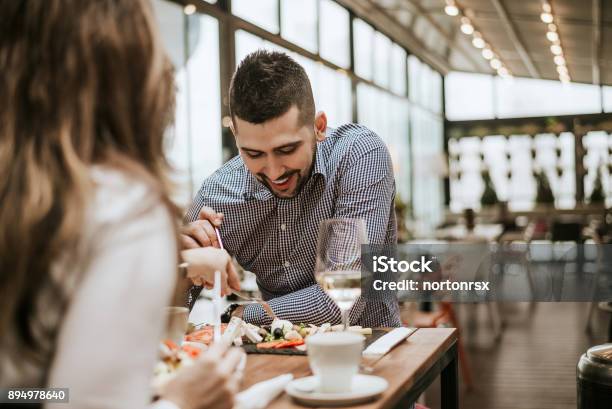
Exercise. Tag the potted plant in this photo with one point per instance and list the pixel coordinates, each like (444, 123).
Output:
(544, 194)
(489, 195)
(598, 195)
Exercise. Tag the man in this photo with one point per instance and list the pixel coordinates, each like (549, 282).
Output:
(292, 173)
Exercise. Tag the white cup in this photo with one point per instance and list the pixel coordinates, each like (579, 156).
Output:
(176, 323)
(334, 358)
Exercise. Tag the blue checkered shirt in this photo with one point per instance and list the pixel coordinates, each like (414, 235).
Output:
(276, 238)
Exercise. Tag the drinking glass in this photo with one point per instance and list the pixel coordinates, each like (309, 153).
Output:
(338, 264)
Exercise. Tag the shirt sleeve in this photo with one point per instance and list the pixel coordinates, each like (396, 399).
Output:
(309, 305)
(108, 340)
(367, 190)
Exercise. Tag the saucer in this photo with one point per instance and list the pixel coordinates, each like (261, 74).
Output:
(364, 388)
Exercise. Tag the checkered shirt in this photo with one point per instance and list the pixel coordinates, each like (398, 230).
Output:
(276, 238)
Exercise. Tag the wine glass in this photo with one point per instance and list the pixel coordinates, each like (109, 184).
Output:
(338, 264)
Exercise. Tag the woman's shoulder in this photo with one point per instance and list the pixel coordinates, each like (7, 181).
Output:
(119, 196)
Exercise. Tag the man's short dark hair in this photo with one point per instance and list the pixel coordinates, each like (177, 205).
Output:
(266, 85)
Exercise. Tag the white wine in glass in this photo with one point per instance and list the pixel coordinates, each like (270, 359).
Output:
(338, 266)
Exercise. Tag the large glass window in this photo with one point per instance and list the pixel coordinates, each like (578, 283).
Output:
(334, 33)
(263, 13)
(468, 96)
(193, 144)
(429, 167)
(398, 70)
(382, 54)
(363, 40)
(607, 98)
(512, 163)
(388, 116)
(525, 97)
(299, 23)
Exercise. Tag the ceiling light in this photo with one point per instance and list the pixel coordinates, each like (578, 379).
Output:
(189, 9)
(552, 36)
(562, 70)
(546, 7)
(559, 60)
(565, 79)
(556, 49)
(552, 27)
(487, 53)
(477, 41)
(503, 71)
(466, 26)
(546, 17)
(495, 64)
(451, 8)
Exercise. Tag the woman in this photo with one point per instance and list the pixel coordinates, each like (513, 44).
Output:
(88, 241)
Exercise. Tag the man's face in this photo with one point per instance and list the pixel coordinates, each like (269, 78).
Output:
(278, 152)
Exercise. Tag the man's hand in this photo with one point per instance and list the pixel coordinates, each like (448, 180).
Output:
(201, 233)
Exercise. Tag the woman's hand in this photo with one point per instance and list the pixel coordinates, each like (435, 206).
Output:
(210, 383)
(204, 261)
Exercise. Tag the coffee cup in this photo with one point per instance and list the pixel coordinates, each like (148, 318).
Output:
(334, 358)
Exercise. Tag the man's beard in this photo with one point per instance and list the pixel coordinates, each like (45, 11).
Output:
(302, 178)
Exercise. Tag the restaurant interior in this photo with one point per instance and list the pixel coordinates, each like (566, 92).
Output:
(497, 116)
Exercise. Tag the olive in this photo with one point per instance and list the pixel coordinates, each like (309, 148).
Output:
(278, 332)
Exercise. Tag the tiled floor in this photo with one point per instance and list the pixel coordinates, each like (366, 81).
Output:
(533, 365)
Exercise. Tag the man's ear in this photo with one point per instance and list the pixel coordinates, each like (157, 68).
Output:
(320, 126)
(231, 126)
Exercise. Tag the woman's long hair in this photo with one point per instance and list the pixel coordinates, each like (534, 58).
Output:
(81, 83)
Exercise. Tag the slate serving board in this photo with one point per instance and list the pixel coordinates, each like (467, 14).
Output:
(252, 348)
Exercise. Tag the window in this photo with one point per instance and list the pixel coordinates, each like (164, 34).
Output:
(398, 70)
(382, 54)
(363, 44)
(334, 33)
(524, 97)
(299, 23)
(263, 13)
(468, 96)
(607, 98)
(388, 116)
(193, 144)
(429, 166)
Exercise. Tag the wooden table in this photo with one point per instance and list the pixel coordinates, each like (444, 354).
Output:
(409, 368)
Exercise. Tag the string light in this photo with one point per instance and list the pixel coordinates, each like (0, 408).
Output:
(189, 9)
(487, 53)
(546, 17)
(495, 64)
(553, 36)
(467, 27)
(451, 8)
(478, 41)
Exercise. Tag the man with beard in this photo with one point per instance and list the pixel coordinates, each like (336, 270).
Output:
(292, 172)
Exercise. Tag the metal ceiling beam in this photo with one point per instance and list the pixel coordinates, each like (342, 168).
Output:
(448, 37)
(596, 41)
(402, 35)
(516, 41)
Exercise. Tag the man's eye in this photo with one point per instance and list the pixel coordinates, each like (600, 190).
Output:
(286, 151)
(253, 155)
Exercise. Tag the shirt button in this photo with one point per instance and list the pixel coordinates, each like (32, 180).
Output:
(287, 264)
(283, 226)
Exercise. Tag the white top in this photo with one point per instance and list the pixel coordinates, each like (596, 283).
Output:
(117, 284)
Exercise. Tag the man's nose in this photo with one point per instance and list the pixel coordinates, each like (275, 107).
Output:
(274, 169)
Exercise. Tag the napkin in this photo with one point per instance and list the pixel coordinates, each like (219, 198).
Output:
(261, 394)
(385, 343)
